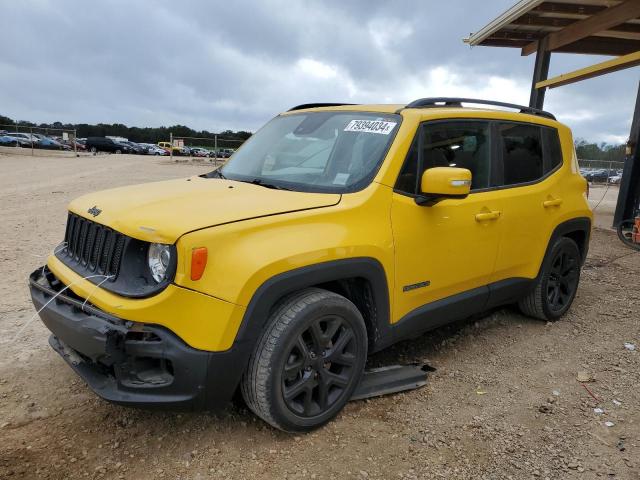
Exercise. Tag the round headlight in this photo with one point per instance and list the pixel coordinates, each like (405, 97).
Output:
(159, 257)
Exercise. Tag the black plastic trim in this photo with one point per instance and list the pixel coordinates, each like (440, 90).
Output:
(460, 306)
(438, 313)
(579, 224)
(274, 289)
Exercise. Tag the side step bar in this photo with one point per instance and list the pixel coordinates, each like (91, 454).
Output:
(392, 379)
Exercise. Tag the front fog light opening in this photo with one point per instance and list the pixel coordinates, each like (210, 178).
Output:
(159, 258)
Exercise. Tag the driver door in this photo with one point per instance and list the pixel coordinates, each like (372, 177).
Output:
(445, 253)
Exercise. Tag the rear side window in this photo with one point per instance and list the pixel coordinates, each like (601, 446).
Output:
(521, 152)
(529, 152)
(552, 149)
(462, 144)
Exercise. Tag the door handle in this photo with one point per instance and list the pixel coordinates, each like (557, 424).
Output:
(556, 202)
(481, 217)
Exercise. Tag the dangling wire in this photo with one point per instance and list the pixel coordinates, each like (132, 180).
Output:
(51, 300)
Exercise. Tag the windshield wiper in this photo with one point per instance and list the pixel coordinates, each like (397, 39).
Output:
(262, 183)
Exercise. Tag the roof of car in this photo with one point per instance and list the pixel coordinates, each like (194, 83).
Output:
(382, 108)
(441, 106)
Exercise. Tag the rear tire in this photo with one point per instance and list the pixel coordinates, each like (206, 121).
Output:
(557, 284)
(308, 361)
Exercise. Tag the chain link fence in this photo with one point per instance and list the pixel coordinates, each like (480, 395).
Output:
(30, 140)
(601, 171)
(215, 149)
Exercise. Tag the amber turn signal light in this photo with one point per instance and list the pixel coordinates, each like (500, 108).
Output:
(198, 262)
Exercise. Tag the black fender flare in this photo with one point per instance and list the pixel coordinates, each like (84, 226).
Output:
(267, 295)
(272, 290)
(564, 229)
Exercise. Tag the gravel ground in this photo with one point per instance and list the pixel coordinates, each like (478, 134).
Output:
(504, 401)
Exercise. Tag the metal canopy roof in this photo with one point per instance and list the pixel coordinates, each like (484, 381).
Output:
(596, 27)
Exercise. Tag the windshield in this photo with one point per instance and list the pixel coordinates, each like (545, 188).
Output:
(317, 151)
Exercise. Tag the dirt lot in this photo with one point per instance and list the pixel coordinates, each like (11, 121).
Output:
(503, 403)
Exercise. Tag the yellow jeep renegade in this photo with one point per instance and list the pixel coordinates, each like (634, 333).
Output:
(335, 231)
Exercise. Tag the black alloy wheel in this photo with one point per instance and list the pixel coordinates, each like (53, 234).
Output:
(563, 279)
(319, 366)
(308, 360)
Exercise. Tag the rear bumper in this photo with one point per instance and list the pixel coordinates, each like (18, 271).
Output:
(132, 363)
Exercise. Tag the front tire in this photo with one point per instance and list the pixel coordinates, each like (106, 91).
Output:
(308, 361)
(557, 283)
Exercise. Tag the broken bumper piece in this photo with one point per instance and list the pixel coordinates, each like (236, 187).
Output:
(131, 363)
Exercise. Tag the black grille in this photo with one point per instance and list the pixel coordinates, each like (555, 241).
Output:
(97, 248)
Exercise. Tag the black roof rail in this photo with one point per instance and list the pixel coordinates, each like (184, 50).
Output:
(457, 102)
(315, 105)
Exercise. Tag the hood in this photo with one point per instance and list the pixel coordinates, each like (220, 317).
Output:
(164, 211)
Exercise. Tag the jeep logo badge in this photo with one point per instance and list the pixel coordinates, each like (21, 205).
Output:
(95, 211)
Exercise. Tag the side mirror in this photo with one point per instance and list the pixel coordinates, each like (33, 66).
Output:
(440, 183)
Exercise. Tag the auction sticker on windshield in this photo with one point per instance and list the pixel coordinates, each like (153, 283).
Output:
(370, 126)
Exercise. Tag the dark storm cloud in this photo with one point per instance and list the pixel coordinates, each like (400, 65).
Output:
(219, 65)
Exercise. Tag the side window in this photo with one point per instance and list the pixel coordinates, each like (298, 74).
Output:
(521, 152)
(552, 149)
(462, 144)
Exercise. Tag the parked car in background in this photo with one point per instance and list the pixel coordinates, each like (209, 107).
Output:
(104, 144)
(135, 147)
(26, 136)
(49, 143)
(597, 175)
(155, 150)
(11, 141)
(225, 152)
(615, 179)
(199, 152)
(79, 146)
(176, 150)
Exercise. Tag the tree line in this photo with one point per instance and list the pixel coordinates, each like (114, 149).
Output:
(135, 134)
(601, 151)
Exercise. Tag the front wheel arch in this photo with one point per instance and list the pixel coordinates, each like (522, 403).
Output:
(267, 296)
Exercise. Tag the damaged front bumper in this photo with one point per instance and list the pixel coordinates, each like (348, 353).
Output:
(132, 363)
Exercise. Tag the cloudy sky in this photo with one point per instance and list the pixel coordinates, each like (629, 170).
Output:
(220, 65)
